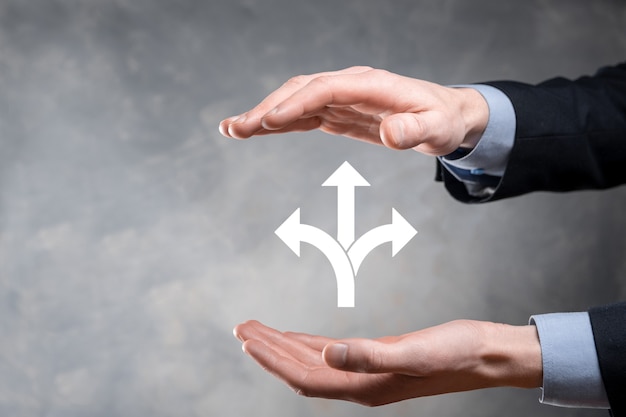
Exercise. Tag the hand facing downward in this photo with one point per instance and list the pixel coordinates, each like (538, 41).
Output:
(456, 356)
(368, 104)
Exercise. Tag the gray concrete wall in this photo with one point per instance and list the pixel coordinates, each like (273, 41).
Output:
(133, 237)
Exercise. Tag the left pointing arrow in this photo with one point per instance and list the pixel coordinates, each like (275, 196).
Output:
(292, 232)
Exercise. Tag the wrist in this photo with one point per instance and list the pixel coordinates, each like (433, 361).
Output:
(512, 356)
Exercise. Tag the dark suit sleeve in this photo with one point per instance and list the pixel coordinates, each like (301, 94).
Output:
(608, 324)
(570, 135)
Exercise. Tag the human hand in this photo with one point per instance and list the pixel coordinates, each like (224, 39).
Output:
(372, 105)
(456, 356)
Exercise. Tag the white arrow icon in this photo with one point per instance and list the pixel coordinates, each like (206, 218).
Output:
(292, 232)
(344, 254)
(345, 178)
(399, 233)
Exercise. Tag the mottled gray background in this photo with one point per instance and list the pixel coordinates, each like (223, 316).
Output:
(133, 237)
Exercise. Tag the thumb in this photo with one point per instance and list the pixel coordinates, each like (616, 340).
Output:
(363, 355)
(426, 131)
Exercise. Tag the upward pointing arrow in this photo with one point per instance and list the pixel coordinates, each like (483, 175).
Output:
(345, 178)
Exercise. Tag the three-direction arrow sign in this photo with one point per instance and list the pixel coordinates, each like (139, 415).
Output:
(345, 254)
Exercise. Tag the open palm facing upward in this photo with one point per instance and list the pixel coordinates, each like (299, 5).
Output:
(456, 356)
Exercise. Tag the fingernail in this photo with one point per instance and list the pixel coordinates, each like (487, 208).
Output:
(241, 119)
(268, 114)
(397, 132)
(336, 354)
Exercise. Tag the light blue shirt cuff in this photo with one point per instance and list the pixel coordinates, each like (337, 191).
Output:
(491, 154)
(571, 373)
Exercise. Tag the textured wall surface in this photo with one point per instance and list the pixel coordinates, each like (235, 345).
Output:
(133, 237)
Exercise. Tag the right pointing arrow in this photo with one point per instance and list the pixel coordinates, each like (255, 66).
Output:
(399, 233)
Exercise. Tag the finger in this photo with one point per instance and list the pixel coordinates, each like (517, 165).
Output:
(281, 342)
(364, 129)
(295, 84)
(313, 341)
(246, 330)
(320, 381)
(224, 125)
(298, 375)
(302, 125)
(250, 330)
(245, 125)
(366, 356)
(291, 346)
(360, 88)
(335, 121)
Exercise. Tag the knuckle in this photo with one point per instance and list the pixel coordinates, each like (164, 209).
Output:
(361, 68)
(376, 360)
(322, 79)
(324, 85)
(297, 80)
(380, 73)
(419, 129)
